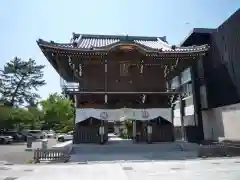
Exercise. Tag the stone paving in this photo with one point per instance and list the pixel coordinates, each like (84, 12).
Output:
(221, 169)
(119, 149)
(124, 161)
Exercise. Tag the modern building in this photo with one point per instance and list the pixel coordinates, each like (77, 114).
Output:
(213, 84)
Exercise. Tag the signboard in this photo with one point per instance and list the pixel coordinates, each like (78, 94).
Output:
(104, 115)
(145, 114)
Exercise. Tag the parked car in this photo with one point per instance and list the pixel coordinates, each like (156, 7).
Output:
(25, 135)
(17, 137)
(6, 139)
(38, 134)
(51, 135)
(65, 137)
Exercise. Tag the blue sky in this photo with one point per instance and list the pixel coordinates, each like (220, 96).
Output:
(23, 22)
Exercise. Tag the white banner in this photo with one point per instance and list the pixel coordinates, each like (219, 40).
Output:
(122, 114)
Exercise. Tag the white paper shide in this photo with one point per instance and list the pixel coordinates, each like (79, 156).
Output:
(122, 114)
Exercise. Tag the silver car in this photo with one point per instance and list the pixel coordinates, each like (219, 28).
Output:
(6, 139)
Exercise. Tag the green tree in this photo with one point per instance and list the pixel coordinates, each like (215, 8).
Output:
(37, 121)
(20, 80)
(15, 118)
(21, 118)
(4, 116)
(58, 112)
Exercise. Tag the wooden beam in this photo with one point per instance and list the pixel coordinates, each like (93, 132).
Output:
(103, 92)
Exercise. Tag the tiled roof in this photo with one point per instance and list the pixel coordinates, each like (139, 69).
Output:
(101, 42)
(158, 44)
(95, 42)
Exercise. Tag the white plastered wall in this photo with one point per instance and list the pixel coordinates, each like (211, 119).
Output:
(222, 122)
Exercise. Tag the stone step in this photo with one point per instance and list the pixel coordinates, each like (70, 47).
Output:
(133, 148)
(116, 157)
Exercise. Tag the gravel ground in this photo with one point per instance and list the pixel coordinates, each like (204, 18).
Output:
(15, 153)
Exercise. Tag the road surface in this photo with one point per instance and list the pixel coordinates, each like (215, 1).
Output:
(15, 153)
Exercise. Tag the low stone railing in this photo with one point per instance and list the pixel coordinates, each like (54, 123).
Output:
(225, 148)
(213, 150)
(58, 155)
(59, 152)
(66, 146)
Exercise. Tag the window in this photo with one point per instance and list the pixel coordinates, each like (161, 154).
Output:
(187, 89)
(188, 101)
(175, 83)
(186, 76)
(124, 69)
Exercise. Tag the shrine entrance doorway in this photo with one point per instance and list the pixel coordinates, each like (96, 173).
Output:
(94, 125)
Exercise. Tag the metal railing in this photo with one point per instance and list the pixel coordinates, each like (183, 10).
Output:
(68, 86)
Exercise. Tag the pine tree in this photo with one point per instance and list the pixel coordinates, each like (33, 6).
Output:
(20, 80)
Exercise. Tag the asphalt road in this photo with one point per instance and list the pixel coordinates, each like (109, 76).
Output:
(15, 153)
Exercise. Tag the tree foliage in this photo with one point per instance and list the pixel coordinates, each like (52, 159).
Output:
(4, 113)
(37, 120)
(15, 118)
(58, 112)
(19, 81)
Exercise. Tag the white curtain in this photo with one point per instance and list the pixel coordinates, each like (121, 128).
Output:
(122, 114)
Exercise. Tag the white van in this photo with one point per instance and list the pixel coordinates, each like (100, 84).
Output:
(38, 134)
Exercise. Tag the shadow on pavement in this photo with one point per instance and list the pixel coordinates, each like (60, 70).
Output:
(125, 150)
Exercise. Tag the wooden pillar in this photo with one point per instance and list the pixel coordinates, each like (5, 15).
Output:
(102, 132)
(172, 119)
(134, 130)
(197, 101)
(149, 132)
(102, 128)
(181, 116)
(105, 75)
(181, 108)
(75, 126)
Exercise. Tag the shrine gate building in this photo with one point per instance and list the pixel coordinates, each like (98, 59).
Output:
(116, 78)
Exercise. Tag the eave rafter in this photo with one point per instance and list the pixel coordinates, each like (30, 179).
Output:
(75, 69)
(178, 64)
(172, 60)
(67, 48)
